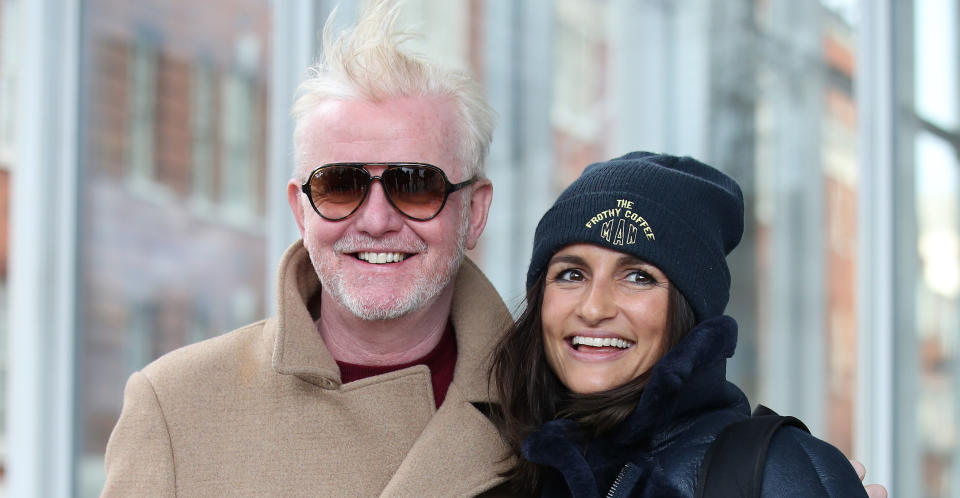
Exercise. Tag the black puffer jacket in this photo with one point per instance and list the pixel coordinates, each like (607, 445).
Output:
(683, 408)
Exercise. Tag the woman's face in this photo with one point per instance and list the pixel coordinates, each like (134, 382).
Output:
(604, 317)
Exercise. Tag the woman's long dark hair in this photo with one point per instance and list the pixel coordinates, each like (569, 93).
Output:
(530, 394)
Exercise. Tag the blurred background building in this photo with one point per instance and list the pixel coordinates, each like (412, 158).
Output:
(145, 147)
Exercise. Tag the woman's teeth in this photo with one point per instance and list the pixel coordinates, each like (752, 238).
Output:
(600, 342)
(381, 257)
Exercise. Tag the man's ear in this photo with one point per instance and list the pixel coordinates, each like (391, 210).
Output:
(296, 203)
(480, 198)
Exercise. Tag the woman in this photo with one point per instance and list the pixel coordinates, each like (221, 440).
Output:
(621, 353)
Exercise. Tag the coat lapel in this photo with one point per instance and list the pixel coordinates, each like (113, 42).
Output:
(460, 453)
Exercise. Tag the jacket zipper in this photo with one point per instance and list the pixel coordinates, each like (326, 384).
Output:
(619, 480)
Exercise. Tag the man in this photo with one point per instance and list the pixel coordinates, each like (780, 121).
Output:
(370, 380)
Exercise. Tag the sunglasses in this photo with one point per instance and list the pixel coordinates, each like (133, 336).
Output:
(418, 191)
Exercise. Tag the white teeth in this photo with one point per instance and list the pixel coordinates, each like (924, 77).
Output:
(599, 342)
(380, 257)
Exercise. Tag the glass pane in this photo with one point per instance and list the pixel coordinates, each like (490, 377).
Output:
(936, 316)
(4, 256)
(172, 236)
(8, 82)
(8, 73)
(927, 408)
(579, 60)
(936, 61)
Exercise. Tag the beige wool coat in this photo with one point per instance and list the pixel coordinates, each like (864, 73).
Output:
(261, 411)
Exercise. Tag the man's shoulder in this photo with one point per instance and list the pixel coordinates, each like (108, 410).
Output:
(247, 345)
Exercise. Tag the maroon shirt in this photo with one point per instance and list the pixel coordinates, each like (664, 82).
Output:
(440, 361)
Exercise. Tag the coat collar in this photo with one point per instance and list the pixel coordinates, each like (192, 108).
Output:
(478, 315)
(690, 378)
(458, 438)
(298, 348)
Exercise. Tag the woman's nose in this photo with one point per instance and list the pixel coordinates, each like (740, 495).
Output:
(598, 302)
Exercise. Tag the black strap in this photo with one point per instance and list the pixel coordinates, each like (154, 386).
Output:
(733, 465)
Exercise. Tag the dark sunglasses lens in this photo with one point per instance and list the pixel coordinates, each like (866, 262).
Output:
(338, 190)
(417, 191)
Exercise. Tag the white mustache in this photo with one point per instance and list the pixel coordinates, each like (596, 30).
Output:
(358, 242)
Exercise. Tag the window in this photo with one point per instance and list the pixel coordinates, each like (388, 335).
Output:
(165, 238)
(142, 104)
(927, 286)
(202, 104)
(8, 107)
(8, 75)
(238, 125)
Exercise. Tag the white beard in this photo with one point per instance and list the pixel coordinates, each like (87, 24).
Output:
(427, 285)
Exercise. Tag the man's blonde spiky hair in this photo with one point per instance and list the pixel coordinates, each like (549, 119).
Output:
(367, 62)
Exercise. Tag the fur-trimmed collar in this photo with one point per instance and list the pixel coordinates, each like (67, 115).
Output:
(690, 377)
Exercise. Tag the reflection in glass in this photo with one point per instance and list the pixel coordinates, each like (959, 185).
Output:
(8, 99)
(938, 247)
(171, 235)
(927, 408)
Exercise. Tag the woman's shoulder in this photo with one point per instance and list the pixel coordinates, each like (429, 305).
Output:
(799, 464)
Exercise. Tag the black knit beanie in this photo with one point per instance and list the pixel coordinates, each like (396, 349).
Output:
(676, 213)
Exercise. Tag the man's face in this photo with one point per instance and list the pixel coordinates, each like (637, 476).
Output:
(345, 253)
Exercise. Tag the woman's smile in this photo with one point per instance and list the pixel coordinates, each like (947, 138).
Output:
(589, 343)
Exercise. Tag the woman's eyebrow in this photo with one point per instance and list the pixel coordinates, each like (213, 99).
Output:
(628, 260)
(566, 258)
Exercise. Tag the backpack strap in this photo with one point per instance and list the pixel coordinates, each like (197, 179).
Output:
(733, 465)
